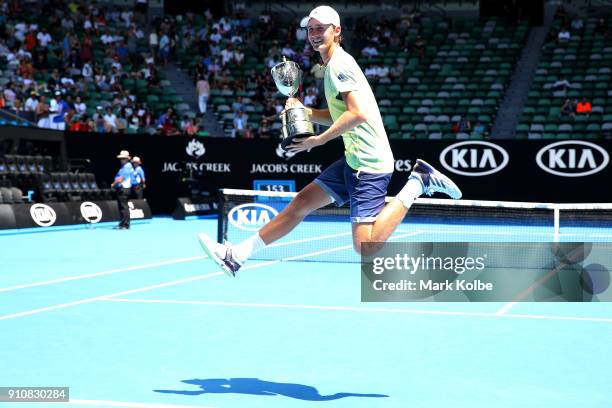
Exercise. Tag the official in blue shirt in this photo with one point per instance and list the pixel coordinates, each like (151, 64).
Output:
(123, 185)
(138, 178)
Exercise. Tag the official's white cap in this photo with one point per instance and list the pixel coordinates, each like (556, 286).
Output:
(324, 14)
(124, 154)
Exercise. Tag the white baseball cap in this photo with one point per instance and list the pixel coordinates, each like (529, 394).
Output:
(324, 14)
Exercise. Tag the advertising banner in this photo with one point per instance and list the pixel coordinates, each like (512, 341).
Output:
(69, 213)
(567, 171)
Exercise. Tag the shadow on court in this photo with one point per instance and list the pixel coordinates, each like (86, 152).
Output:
(255, 386)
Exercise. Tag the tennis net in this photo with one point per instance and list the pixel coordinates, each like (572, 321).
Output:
(325, 235)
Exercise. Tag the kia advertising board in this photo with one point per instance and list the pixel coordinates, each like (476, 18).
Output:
(509, 170)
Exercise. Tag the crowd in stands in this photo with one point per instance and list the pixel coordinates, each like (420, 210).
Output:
(570, 95)
(232, 62)
(235, 53)
(89, 67)
(83, 66)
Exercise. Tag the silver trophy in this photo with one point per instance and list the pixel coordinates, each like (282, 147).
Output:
(287, 76)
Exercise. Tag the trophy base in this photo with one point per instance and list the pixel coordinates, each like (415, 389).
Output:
(296, 123)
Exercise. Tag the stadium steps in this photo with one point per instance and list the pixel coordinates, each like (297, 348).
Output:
(185, 88)
(510, 109)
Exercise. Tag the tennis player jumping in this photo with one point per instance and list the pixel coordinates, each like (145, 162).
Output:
(360, 177)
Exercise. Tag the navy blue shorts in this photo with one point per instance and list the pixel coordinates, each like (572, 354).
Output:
(366, 191)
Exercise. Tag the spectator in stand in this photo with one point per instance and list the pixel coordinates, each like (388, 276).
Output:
(561, 84)
(30, 41)
(564, 36)
(311, 98)
(110, 121)
(216, 36)
(133, 125)
(87, 72)
(190, 127)
(239, 56)
(80, 106)
(9, 94)
(397, 71)
(97, 120)
(301, 35)
(382, 72)
(369, 51)
(203, 90)
(69, 118)
(371, 71)
(121, 121)
(577, 24)
(153, 43)
(164, 48)
(418, 48)
(227, 55)
(44, 38)
(168, 128)
(239, 122)
(288, 52)
(107, 38)
(18, 109)
(462, 126)
(248, 132)
(167, 116)
(42, 113)
(264, 129)
(480, 130)
(569, 108)
(238, 105)
(57, 109)
(80, 125)
(583, 107)
(30, 106)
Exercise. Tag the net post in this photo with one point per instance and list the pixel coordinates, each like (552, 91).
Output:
(220, 215)
(556, 223)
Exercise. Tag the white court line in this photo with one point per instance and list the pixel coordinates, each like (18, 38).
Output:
(358, 309)
(104, 403)
(93, 299)
(463, 232)
(325, 251)
(161, 285)
(156, 264)
(96, 274)
(320, 238)
(504, 233)
(502, 310)
(299, 241)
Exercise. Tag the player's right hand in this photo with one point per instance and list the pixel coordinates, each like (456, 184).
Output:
(293, 103)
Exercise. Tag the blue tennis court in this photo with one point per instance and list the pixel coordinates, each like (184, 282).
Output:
(140, 318)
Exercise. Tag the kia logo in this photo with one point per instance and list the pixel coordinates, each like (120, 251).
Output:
(474, 158)
(572, 158)
(251, 217)
(43, 215)
(91, 212)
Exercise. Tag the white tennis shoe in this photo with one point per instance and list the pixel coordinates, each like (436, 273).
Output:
(433, 181)
(221, 254)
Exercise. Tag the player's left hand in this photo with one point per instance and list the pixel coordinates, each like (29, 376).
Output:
(300, 144)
